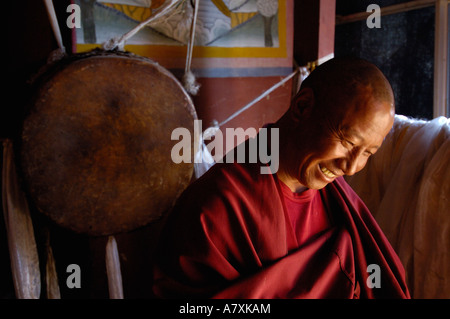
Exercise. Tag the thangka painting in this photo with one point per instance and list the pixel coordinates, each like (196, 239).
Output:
(232, 37)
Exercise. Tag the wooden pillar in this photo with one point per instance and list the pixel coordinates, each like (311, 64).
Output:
(314, 23)
(440, 100)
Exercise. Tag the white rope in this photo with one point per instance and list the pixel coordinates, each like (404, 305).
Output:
(54, 22)
(190, 83)
(212, 130)
(206, 158)
(302, 71)
(259, 98)
(61, 51)
(119, 42)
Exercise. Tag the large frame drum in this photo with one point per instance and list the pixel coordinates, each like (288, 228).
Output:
(96, 142)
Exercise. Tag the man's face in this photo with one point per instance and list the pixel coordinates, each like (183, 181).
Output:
(333, 145)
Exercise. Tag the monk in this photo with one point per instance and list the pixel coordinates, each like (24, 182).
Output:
(300, 232)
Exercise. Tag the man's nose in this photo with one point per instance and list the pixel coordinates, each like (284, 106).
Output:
(353, 163)
(352, 166)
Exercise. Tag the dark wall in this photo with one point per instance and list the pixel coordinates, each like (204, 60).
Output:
(403, 48)
(28, 42)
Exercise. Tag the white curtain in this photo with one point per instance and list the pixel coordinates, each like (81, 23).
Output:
(406, 185)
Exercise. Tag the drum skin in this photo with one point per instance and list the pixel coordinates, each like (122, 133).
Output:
(95, 146)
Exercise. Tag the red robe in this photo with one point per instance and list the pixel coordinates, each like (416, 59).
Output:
(229, 236)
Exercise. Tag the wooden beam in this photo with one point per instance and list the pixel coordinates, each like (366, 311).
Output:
(314, 27)
(440, 59)
(327, 27)
(397, 8)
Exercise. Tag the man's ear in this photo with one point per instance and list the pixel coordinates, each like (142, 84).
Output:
(302, 104)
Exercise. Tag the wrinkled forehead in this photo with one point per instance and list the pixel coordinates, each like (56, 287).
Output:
(368, 117)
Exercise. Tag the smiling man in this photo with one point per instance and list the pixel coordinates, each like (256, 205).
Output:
(339, 118)
(300, 232)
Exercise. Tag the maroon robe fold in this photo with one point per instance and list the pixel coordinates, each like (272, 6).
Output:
(229, 236)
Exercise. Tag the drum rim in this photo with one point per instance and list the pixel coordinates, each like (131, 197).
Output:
(45, 76)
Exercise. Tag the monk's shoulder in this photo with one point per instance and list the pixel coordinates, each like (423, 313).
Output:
(224, 188)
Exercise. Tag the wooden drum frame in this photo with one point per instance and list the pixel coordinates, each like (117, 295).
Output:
(95, 145)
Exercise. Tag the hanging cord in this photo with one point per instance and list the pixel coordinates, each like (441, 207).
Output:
(259, 98)
(61, 51)
(204, 159)
(211, 131)
(190, 83)
(119, 42)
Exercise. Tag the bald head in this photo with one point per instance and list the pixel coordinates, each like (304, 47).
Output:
(340, 80)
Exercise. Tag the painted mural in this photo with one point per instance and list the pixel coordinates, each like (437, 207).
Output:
(224, 29)
(221, 23)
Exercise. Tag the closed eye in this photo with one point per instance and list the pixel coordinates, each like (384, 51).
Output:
(347, 143)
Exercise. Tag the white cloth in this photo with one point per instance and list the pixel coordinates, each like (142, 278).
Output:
(406, 185)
